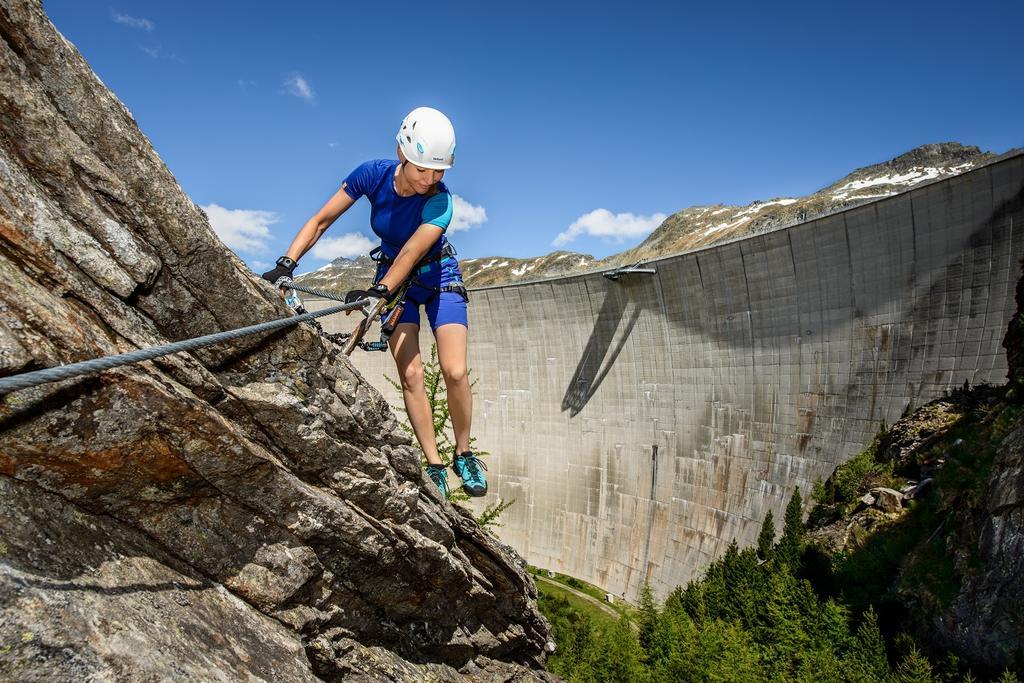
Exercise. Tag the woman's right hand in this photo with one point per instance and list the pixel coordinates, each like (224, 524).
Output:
(285, 268)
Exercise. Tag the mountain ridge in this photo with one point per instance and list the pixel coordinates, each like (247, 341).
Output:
(700, 226)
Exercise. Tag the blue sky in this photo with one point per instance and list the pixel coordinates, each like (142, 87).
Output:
(561, 109)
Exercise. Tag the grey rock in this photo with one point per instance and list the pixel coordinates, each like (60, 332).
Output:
(919, 489)
(238, 495)
(887, 500)
(85, 597)
(13, 356)
(275, 574)
(984, 619)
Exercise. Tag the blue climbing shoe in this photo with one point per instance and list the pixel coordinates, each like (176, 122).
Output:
(467, 466)
(439, 475)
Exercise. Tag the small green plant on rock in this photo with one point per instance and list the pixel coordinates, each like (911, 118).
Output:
(837, 495)
(489, 517)
(437, 397)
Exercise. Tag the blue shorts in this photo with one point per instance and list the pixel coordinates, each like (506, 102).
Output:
(442, 308)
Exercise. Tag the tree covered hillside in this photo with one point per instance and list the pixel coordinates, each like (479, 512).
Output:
(771, 613)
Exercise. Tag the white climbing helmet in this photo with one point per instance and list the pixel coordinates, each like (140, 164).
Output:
(427, 138)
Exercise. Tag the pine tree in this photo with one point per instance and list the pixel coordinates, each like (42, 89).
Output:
(866, 660)
(913, 668)
(829, 623)
(948, 669)
(732, 579)
(780, 625)
(744, 582)
(789, 548)
(617, 656)
(819, 666)
(489, 517)
(766, 539)
(713, 590)
(647, 619)
(726, 652)
(692, 600)
(675, 654)
(575, 637)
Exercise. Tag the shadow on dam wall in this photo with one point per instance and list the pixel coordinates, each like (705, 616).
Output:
(640, 425)
(603, 347)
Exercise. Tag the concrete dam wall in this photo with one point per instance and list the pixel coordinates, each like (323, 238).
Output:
(642, 424)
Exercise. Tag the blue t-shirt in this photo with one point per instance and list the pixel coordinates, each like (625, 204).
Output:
(393, 218)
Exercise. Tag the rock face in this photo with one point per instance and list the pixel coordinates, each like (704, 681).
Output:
(249, 511)
(985, 618)
(887, 500)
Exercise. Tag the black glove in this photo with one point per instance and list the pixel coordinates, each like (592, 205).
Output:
(378, 291)
(285, 268)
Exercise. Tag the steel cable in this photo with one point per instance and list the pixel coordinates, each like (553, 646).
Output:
(55, 374)
(289, 284)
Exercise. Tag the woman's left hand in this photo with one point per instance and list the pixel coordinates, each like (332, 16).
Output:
(378, 291)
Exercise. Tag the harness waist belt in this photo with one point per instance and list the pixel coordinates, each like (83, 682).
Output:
(378, 256)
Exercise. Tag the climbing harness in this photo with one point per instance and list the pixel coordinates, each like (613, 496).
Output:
(62, 372)
(424, 264)
(377, 255)
(390, 310)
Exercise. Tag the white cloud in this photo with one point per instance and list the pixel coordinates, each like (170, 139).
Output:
(134, 22)
(613, 227)
(466, 215)
(261, 266)
(241, 229)
(157, 52)
(349, 245)
(299, 87)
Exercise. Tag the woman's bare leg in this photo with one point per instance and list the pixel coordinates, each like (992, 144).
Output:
(451, 352)
(405, 347)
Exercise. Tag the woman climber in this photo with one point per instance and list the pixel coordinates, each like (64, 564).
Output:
(410, 211)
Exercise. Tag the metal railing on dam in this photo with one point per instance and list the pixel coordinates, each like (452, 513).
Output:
(642, 424)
